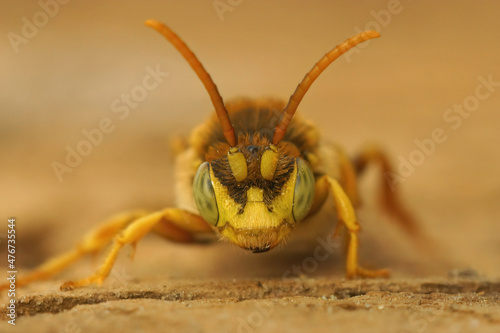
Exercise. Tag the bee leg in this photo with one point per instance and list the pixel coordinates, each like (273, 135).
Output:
(92, 243)
(349, 177)
(165, 222)
(185, 228)
(389, 199)
(347, 216)
(349, 182)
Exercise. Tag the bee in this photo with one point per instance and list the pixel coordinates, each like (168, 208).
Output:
(247, 176)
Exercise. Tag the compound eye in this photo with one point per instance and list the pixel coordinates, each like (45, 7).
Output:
(304, 190)
(204, 194)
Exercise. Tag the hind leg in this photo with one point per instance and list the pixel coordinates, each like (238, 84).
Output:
(389, 199)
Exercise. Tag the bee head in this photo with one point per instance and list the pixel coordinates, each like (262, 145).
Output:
(254, 193)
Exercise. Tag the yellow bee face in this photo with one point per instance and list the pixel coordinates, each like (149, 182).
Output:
(254, 195)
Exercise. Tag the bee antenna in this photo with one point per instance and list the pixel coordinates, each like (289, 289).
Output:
(205, 78)
(307, 81)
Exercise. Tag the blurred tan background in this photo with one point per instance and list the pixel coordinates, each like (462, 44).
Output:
(63, 78)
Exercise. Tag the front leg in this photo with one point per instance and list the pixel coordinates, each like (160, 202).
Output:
(92, 243)
(347, 216)
(173, 223)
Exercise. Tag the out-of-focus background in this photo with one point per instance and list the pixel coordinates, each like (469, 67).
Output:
(428, 91)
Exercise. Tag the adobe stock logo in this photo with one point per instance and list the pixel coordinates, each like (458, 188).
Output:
(382, 18)
(222, 7)
(454, 117)
(121, 108)
(30, 28)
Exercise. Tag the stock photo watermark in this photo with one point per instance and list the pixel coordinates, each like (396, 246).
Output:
(11, 270)
(255, 319)
(225, 6)
(381, 19)
(31, 27)
(121, 106)
(117, 278)
(420, 320)
(453, 117)
(324, 250)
